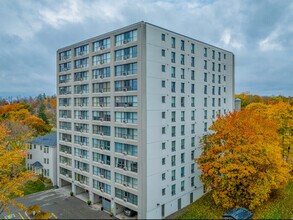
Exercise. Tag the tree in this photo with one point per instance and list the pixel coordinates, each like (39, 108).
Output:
(12, 174)
(42, 114)
(241, 160)
(37, 124)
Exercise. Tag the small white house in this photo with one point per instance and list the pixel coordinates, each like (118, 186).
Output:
(42, 156)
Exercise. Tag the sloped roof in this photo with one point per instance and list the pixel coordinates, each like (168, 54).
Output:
(37, 164)
(49, 140)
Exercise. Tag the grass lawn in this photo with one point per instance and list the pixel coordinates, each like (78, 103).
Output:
(279, 206)
(34, 186)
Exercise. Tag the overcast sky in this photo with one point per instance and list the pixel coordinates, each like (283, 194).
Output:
(259, 33)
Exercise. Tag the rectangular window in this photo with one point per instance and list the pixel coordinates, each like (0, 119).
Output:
(205, 64)
(173, 57)
(163, 68)
(192, 62)
(173, 72)
(173, 87)
(182, 60)
(192, 75)
(124, 70)
(173, 42)
(163, 37)
(124, 38)
(182, 45)
(213, 56)
(173, 189)
(192, 48)
(173, 101)
(101, 59)
(205, 52)
(163, 83)
(101, 45)
(82, 50)
(163, 53)
(125, 54)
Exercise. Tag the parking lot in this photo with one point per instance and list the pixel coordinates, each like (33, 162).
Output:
(60, 204)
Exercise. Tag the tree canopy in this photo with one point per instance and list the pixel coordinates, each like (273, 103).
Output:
(242, 159)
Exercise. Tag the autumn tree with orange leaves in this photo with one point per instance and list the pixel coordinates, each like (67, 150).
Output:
(12, 174)
(242, 160)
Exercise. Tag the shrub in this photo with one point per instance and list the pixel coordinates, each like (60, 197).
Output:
(41, 177)
(42, 215)
(47, 180)
(71, 193)
(89, 202)
(33, 209)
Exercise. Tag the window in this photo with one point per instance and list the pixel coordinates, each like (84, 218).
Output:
(219, 90)
(126, 149)
(163, 191)
(213, 78)
(192, 88)
(219, 102)
(205, 52)
(173, 42)
(224, 56)
(101, 45)
(219, 79)
(205, 114)
(182, 115)
(213, 90)
(182, 185)
(163, 37)
(173, 160)
(192, 48)
(205, 126)
(163, 53)
(182, 45)
(192, 155)
(173, 87)
(205, 102)
(173, 101)
(163, 161)
(124, 38)
(163, 84)
(205, 89)
(173, 131)
(105, 58)
(163, 130)
(173, 72)
(219, 67)
(192, 168)
(120, 70)
(192, 61)
(224, 78)
(163, 210)
(173, 116)
(173, 57)
(182, 60)
(205, 77)
(219, 56)
(182, 87)
(182, 102)
(213, 56)
(82, 50)
(182, 157)
(182, 73)
(163, 176)
(182, 144)
(224, 67)
(126, 53)
(182, 171)
(163, 146)
(173, 175)
(173, 146)
(173, 189)
(192, 102)
(213, 102)
(192, 181)
(192, 75)
(205, 64)
(182, 129)
(163, 68)
(213, 66)
(213, 114)
(163, 115)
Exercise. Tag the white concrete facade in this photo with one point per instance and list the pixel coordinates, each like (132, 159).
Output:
(174, 90)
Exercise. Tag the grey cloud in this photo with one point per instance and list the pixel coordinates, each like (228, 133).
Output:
(33, 31)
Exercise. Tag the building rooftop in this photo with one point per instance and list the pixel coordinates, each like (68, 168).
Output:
(137, 23)
(49, 140)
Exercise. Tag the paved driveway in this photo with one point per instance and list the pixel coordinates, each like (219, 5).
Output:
(61, 205)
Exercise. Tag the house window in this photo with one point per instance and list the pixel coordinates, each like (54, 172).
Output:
(163, 68)
(173, 57)
(163, 191)
(182, 45)
(173, 189)
(163, 146)
(163, 53)
(163, 161)
(163, 115)
(163, 130)
(163, 37)
(163, 99)
(192, 48)
(205, 52)
(173, 72)
(163, 83)
(163, 176)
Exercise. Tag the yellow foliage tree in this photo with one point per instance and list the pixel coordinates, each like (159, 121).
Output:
(242, 160)
(12, 175)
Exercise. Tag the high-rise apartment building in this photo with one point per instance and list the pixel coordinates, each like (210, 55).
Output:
(132, 107)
